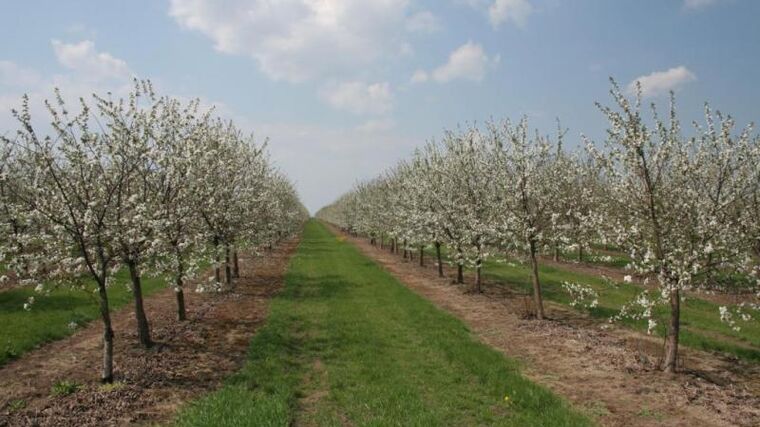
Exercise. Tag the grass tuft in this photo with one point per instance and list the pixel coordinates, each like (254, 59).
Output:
(64, 388)
(16, 405)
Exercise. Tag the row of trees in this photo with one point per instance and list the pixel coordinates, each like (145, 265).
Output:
(145, 183)
(685, 209)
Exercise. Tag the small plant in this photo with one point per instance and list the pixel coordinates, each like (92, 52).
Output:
(16, 405)
(109, 387)
(9, 351)
(597, 409)
(65, 388)
(649, 413)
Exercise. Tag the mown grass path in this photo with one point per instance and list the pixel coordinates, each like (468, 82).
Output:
(347, 344)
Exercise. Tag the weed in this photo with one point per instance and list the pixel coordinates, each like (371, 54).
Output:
(64, 388)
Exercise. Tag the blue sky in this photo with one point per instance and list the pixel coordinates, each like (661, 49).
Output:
(345, 88)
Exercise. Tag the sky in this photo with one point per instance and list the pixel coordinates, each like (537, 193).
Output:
(343, 89)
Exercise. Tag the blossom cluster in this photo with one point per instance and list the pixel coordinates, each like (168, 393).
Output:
(581, 295)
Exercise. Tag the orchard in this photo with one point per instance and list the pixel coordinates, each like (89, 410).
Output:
(379, 213)
(682, 205)
(145, 183)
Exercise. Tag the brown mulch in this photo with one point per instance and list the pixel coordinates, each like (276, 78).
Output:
(189, 359)
(606, 371)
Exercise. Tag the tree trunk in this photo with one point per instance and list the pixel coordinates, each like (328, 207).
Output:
(422, 257)
(218, 263)
(180, 294)
(556, 253)
(536, 283)
(106, 374)
(235, 264)
(460, 268)
(438, 257)
(674, 327)
(143, 328)
(227, 266)
(405, 251)
(478, 266)
(580, 253)
(382, 244)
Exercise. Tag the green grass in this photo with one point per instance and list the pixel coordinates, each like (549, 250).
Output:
(345, 343)
(50, 316)
(700, 319)
(597, 257)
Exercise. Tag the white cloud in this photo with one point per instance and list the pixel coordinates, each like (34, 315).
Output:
(698, 4)
(302, 150)
(467, 62)
(14, 75)
(86, 71)
(89, 63)
(406, 50)
(660, 82)
(516, 11)
(420, 76)
(360, 98)
(297, 40)
(423, 22)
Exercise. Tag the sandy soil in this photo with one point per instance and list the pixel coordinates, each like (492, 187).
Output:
(608, 372)
(190, 358)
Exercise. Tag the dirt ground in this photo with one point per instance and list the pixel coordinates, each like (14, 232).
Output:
(608, 372)
(189, 359)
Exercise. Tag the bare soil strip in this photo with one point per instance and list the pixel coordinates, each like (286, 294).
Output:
(190, 358)
(609, 371)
